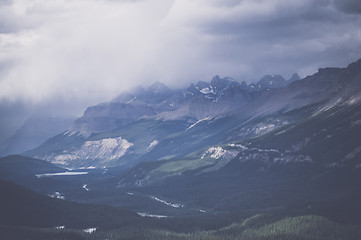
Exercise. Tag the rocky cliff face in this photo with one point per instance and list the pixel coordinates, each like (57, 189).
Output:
(196, 102)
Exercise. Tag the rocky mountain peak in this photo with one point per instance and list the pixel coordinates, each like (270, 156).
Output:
(271, 82)
(219, 83)
(354, 68)
(329, 70)
(158, 87)
(244, 85)
(294, 77)
(202, 84)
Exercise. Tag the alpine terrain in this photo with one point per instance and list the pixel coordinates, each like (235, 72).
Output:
(276, 159)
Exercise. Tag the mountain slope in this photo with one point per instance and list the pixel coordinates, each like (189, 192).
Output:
(174, 111)
(22, 207)
(309, 163)
(34, 132)
(219, 148)
(185, 121)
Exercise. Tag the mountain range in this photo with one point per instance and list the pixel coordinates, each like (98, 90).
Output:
(290, 146)
(145, 109)
(160, 123)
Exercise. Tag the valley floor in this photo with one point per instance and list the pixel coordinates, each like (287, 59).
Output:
(258, 227)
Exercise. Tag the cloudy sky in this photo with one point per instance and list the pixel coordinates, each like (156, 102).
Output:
(65, 55)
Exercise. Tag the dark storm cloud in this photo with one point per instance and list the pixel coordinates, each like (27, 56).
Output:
(283, 37)
(79, 53)
(348, 6)
(12, 20)
(143, 41)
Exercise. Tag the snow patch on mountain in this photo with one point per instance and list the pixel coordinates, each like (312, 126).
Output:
(327, 107)
(264, 128)
(71, 133)
(85, 187)
(90, 167)
(242, 147)
(209, 97)
(207, 90)
(218, 152)
(174, 205)
(57, 195)
(354, 100)
(194, 124)
(261, 128)
(90, 230)
(152, 145)
(131, 100)
(151, 215)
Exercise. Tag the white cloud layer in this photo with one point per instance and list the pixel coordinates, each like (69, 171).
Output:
(88, 51)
